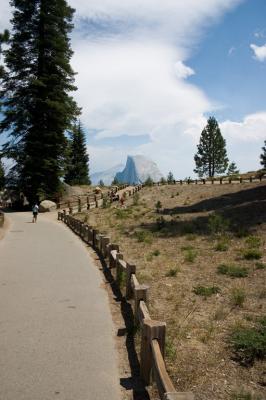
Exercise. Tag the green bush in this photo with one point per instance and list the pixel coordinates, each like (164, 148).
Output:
(252, 254)
(156, 253)
(253, 241)
(232, 270)
(222, 245)
(249, 343)
(123, 213)
(158, 206)
(143, 237)
(218, 224)
(206, 291)
(136, 199)
(172, 272)
(190, 255)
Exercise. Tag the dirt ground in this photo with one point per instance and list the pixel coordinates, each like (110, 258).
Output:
(178, 245)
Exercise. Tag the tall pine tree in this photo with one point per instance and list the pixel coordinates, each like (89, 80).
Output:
(37, 105)
(263, 156)
(4, 37)
(211, 157)
(77, 171)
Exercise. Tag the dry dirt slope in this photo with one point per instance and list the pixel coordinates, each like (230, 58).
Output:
(203, 255)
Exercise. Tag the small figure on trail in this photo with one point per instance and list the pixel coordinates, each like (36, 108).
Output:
(35, 210)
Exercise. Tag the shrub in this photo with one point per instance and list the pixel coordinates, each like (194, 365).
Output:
(232, 270)
(148, 182)
(190, 255)
(221, 246)
(238, 296)
(253, 241)
(249, 343)
(172, 272)
(206, 291)
(156, 253)
(252, 254)
(218, 224)
(143, 237)
(123, 214)
(158, 206)
(136, 199)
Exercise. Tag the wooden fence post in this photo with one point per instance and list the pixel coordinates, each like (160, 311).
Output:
(119, 271)
(131, 269)
(94, 233)
(150, 330)
(105, 241)
(140, 293)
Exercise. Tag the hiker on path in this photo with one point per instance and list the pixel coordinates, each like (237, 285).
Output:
(35, 210)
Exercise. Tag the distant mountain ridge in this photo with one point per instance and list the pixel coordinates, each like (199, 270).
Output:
(138, 168)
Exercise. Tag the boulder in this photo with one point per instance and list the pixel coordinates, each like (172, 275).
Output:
(47, 205)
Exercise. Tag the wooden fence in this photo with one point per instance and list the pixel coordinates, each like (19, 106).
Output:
(93, 200)
(152, 364)
(221, 181)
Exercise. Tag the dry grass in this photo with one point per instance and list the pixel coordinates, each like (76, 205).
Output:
(178, 248)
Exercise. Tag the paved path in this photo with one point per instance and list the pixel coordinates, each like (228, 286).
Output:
(56, 333)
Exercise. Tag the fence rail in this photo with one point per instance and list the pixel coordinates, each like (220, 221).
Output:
(94, 200)
(152, 364)
(209, 181)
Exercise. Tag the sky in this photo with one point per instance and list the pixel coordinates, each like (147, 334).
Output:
(151, 72)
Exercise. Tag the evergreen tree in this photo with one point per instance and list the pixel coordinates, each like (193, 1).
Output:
(77, 170)
(211, 157)
(149, 181)
(37, 106)
(4, 37)
(101, 183)
(263, 156)
(115, 181)
(2, 175)
(232, 169)
(170, 178)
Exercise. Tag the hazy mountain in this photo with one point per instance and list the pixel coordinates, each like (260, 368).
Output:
(138, 169)
(106, 176)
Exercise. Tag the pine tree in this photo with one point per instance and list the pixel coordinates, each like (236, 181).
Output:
(211, 157)
(37, 106)
(170, 178)
(232, 169)
(4, 37)
(77, 172)
(2, 175)
(263, 156)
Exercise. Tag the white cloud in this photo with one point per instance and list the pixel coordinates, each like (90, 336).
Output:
(259, 52)
(183, 71)
(252, 128)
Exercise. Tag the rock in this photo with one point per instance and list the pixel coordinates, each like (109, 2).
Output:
(138, 169)
(47, 205)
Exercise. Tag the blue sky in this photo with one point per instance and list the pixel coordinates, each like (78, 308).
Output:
(151, 72)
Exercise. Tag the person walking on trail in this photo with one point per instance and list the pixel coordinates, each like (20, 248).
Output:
(35, 210)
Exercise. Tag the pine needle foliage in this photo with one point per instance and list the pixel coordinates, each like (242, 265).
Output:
(211, 157)
(77, 169)
(35, 95)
